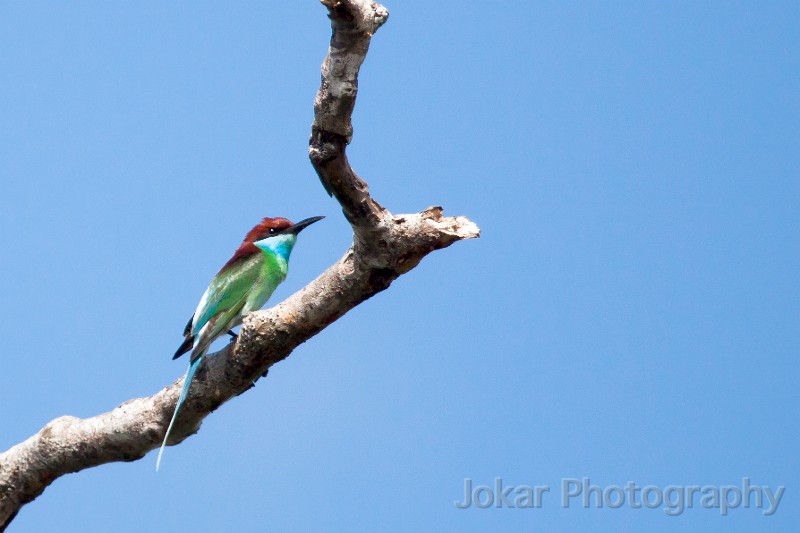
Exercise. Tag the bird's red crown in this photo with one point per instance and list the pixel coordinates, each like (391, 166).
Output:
(262, 230)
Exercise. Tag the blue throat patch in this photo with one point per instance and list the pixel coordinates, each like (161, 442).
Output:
(280, 245)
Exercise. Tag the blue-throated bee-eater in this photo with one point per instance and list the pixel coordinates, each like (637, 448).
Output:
(242, 286)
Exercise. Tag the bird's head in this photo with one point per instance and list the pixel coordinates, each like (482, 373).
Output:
(278, 235)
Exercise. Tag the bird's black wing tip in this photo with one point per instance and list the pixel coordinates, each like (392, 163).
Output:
(188, 327)
(185, 347)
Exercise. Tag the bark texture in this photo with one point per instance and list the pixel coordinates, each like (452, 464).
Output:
(384, 247)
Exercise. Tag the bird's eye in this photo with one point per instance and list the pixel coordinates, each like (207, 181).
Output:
(272, 231)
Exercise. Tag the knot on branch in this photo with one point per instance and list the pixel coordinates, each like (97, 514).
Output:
(357, 16)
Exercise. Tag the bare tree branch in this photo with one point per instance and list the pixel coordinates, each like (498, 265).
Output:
(384, 247)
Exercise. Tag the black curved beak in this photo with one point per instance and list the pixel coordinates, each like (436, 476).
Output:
(303, 224)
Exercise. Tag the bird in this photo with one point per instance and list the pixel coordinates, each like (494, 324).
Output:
(243, 285)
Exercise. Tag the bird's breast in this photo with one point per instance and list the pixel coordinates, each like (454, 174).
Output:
(272, 274)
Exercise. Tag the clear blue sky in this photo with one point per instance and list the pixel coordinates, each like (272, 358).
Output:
(631, 312)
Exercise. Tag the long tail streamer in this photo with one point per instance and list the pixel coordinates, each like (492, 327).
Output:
(186, 383)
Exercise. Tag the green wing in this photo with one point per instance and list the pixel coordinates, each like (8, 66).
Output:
(224, 299)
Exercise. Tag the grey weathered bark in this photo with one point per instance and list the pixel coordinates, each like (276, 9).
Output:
(384, 247)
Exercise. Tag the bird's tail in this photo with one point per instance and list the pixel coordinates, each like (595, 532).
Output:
(186, 383)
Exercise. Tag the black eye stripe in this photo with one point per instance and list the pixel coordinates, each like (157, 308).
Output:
(277, 231)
